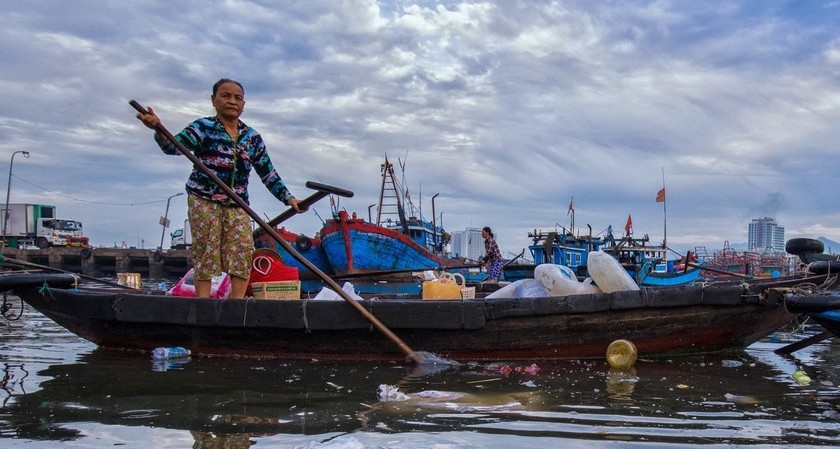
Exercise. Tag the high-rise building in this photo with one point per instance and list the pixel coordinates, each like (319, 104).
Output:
(468, 243)
(764, 233)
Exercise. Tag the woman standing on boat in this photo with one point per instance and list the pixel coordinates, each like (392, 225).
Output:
(228, 147)
(492, 259)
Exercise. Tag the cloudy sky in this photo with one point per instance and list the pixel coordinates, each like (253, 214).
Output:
(506, 110)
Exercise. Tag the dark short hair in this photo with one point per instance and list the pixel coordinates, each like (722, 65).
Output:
(226, 80)
(487, 228)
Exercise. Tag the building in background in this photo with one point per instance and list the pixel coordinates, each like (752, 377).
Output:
(468, 243)
(764, 233)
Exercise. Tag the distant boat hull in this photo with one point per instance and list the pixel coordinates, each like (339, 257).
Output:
(353, 246)
(667, 279)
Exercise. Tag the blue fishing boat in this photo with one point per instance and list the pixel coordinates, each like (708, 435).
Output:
(647, 264)
(308, 247)
(395, 242)
(353, 246)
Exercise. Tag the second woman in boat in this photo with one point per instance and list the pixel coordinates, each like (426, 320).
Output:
(492, 259)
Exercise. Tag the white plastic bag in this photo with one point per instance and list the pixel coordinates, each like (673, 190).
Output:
(523, 288)
(327, 293)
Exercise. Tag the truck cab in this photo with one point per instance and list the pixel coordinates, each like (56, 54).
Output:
(181, 237)
(59, 232)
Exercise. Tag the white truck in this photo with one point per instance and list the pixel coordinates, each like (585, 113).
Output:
(181, 237)
(36, 224)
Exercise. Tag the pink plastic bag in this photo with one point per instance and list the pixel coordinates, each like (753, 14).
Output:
(219, 286)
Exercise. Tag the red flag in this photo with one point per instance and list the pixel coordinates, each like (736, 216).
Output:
(571, 206)
(629, 224)
(660, 196)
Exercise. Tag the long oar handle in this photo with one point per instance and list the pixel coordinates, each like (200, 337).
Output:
(714, 270)
(417, 358)
(323, 190)
(22, 263)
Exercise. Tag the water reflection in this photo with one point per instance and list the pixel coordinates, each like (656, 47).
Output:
(60, 388)
(621, 383)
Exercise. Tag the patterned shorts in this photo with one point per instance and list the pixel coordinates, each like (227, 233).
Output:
(495, 269)
(222, 239)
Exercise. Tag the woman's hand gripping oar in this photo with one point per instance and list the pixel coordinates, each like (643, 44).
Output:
(411, 355)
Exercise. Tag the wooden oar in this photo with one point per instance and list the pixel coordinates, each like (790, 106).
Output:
(804, 343)
(323, 190)
(21, 263)
(389, 272)
(715, 270)
(414, 356)
(688, 263)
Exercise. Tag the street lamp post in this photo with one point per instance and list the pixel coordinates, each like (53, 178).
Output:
(165, 220)
(8, 190)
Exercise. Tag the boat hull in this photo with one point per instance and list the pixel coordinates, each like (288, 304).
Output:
(830, 320)
(668, 279)
(678, 320)
(309, 248)
(353, 246)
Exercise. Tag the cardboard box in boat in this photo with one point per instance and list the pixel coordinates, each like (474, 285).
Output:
(276, 290)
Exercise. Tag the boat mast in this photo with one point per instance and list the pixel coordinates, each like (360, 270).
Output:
(388, 192)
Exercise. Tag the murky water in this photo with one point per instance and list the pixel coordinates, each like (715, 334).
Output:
(59, 389)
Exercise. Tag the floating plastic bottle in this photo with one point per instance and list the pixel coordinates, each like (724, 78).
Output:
(175, 352)
(162, 286)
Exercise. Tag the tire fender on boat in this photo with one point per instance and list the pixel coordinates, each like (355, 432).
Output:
(85, 253)
(303, 243)
(804, 245)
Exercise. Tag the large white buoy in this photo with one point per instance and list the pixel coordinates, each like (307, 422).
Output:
(560, 280)
(608, 274)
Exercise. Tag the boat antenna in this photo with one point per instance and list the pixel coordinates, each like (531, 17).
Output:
(319, 216)
(572, 212)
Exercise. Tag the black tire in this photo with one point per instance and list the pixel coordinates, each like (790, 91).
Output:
(303, 243)
(42, 243)
(85, 253)
(804, 245)
(157, 256)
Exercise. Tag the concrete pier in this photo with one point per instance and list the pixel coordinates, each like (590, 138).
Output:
(100, 262)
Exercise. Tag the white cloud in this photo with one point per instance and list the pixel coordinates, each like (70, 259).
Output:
(505, 109)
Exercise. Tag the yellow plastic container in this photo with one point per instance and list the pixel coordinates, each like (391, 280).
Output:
(129, 280)
(444, 287)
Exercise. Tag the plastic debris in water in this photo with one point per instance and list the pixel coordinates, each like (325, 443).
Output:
(739, 399)
(801, 377)
(390, 393)
(531, 369)
(175, 352)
